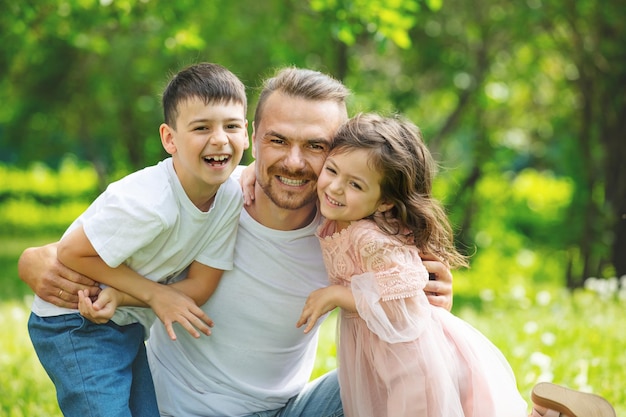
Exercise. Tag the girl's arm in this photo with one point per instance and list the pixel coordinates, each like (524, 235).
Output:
(169, 303)
(324, 300)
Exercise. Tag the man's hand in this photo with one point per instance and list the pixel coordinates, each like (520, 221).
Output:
(51, 280)
(247, 180)
(439, 290)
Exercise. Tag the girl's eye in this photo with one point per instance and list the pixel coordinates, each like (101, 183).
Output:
(355, 185)
(331, 170)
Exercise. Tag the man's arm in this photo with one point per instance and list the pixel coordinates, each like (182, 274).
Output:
(52, 281)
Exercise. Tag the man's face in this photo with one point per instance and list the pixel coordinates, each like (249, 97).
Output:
(290, 144)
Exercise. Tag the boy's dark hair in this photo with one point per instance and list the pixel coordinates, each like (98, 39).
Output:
(209, 82)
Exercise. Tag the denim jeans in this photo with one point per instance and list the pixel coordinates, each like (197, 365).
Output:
(99, 370)
(319, 398)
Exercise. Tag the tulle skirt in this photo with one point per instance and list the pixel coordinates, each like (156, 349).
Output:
(449, 370)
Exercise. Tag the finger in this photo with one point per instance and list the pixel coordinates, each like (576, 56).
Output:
(203, 323)
(301, 322)
(439, 300)
(247, 198)
(170, 331)
(310, 325)
(191, 329)
(201, 317)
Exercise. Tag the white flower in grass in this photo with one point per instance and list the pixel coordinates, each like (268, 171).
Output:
(582, 378)
(543, 298)
(548, 338)
(531, 327)
(541, 360)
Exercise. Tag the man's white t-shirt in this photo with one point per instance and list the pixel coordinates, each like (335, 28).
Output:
(146, 221)
(256, 358)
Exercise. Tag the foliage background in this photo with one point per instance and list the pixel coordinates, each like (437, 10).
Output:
(522, 102)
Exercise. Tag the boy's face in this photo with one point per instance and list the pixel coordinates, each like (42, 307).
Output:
(290, 143)
(207, 143)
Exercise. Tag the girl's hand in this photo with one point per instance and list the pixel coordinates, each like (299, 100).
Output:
(318, 303)
(101, 310)
(247, 180)
(172, 306)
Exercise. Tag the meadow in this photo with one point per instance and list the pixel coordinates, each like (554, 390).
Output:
(576, 339)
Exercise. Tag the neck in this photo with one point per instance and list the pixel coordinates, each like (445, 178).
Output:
(264, 211)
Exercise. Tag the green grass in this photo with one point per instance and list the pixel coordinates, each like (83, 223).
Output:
(546, 333)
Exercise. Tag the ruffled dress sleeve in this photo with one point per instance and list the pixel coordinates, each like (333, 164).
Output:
(389, 296)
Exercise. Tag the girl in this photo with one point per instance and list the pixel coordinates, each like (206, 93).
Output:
(398, 355)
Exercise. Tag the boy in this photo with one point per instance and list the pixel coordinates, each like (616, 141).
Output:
(143, 230)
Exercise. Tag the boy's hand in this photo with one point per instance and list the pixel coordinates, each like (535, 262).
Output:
(101, 310)
(172, 306)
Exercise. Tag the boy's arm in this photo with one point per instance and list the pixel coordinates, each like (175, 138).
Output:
(200, 283)
(169, 304)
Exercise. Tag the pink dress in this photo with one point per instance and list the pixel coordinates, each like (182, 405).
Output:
(400, 356)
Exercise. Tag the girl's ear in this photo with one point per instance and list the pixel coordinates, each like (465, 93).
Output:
(383, 207)
(167, 138)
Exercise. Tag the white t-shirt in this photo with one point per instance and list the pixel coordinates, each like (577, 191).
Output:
(146, 221)
(256, 358)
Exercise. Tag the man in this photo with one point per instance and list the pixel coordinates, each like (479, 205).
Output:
(256, 362)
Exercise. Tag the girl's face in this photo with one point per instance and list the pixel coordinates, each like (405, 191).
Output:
(348, 188)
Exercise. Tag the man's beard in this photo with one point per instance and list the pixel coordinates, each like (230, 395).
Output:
(289, 200)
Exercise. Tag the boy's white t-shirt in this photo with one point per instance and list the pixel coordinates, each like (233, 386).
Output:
(256, 358)
(146, 221)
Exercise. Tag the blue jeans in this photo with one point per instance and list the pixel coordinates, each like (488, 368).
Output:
(319, 398)
(99, 370)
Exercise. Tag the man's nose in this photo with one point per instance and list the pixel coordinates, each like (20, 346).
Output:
(295, 158)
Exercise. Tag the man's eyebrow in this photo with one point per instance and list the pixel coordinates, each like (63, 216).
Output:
(275, 134)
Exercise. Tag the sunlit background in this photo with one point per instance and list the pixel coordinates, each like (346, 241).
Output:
(523, 104)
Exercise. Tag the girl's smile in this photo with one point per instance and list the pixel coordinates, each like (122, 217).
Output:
(349, 187)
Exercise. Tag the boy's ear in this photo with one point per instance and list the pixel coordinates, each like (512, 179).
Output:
(384, 206)
(167, 138)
